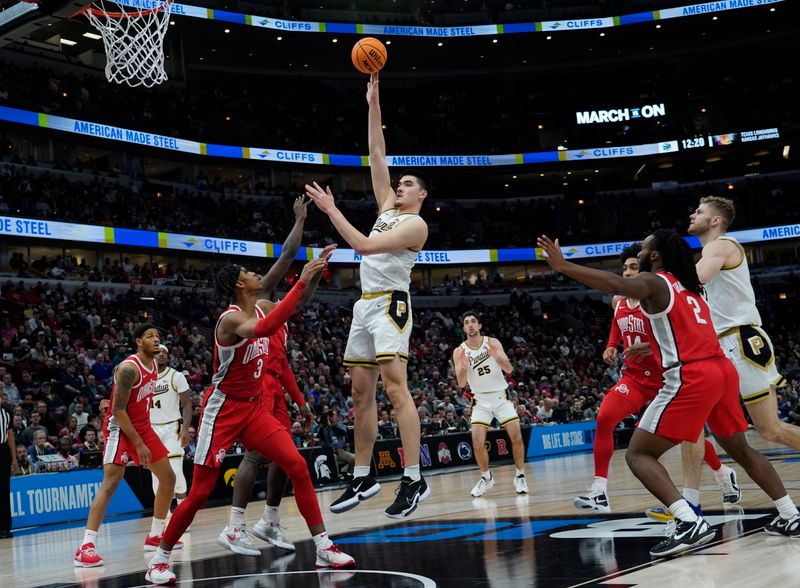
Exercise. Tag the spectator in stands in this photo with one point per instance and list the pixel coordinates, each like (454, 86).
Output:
(334, 435)
(465, 422)
(40, 447)
(71, 381)
(386, 429)
(10, 389)
(89, 436)
(66, 451)
(298, 436)
(102, 369)
(545, 410)
(71, 431)
(18, 426)
(30, 430)
(23, 463)
(81, 417)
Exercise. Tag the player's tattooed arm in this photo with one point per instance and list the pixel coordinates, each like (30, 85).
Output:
(125, 379)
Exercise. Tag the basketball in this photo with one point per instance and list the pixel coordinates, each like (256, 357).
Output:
(368, 55)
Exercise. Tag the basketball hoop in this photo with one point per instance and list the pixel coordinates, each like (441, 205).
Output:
(133, 35)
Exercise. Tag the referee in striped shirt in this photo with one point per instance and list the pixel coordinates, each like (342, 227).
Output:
(8, 464)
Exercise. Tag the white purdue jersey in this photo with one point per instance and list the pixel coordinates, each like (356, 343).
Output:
(165, 403)
(385, 272)
(731, 298)
(483, 371)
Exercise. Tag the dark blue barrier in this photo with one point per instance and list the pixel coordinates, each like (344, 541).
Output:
(65, 496)
(555, 439)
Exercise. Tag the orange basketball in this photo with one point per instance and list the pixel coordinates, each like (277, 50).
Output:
(368, 55)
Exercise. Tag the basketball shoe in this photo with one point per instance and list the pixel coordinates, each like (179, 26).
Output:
(151, 543)
(237, 540)
(482, 486)
(87, 557)
(409, 495)
(731, 493)
(683, 536)
(159, 574)
(520, 484)
(786, 527)
(332, 557)
(596, 500)
(272, 533)
(662, 514)
(358, 490)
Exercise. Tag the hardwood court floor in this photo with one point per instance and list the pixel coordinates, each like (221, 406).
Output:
(499, 540)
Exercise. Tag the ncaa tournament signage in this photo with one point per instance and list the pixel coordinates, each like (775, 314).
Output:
(65, 496)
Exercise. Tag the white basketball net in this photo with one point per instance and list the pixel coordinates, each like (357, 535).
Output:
(133, 34)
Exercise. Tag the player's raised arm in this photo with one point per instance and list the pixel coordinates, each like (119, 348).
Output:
(409, 235)
(642, 287)
(381, 181)
(460, 365)
(290, 247)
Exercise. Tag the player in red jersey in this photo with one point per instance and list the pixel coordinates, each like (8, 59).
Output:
(278, 374)
(234, 408)
(699, 384)
(639, 384)
(130, 437)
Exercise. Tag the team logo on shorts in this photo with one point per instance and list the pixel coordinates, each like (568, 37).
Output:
(321, 467)
(444, 453)
(464, 451)
(124, 458)
(622, 389)
(220, 456)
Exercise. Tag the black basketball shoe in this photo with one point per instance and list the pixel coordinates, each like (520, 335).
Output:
(358, 490)
(684, 535)
(409, 495)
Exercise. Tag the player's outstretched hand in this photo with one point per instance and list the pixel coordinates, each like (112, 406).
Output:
(322, 198)
(373, 99)
(300, 207)
(326, 253)
(555, 259)
(312, 268)
(610, 355)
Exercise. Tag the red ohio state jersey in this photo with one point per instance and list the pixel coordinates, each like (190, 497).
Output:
(138, 407)
(277, 350)
(630, 322)
(683, 332)
(238, 369)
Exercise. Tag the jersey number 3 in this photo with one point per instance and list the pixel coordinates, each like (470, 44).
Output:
(259, 367)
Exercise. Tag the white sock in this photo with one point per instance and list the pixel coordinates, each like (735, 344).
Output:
(271, 514)
(412, 472)
(786, 507)
(161, 556)
(157, 527)
(89, 536)
(601, 483)
(682, 510)
(322, 541)
(179, 500)
(520, 473)
(360, 471)
(691, 495)
(237, 516)
(722, 473)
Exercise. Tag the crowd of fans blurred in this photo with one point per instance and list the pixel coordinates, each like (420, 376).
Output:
(214, 209)
(59, 349)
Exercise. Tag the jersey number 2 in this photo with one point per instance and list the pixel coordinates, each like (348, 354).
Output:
(696, 305)
(259, 367)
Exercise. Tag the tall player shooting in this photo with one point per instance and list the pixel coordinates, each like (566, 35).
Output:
(234, 407)
(699, 384)
(278, 374)
(129, 437)
(639, 384)
(480, 362)
(381, 327)
(170, 403)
